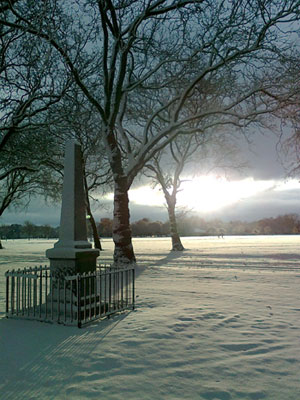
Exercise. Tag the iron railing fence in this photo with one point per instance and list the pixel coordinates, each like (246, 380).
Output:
(33, 293)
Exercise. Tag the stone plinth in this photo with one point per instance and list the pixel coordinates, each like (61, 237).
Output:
(72, 253)
(72, 261)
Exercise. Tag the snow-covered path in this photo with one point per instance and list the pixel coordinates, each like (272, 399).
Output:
(209, 332)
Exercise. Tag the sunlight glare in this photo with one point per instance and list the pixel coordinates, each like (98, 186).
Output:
(203, 194)
(210, 193)
(288, 185)
(144, 195)
(147, 196)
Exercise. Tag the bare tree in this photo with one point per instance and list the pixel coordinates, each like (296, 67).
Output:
(192, 155)
(30, 84)
(140, 63)
(33, 123)
(24, 171)
(169, 177)
(287, 119)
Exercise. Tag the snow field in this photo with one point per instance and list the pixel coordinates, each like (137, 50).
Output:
(220, 321)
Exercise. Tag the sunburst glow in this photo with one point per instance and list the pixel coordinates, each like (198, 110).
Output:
(208, 193)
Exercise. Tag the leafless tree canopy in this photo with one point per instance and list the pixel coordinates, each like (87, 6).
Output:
(156, 69)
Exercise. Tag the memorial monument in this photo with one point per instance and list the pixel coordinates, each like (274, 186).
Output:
(74, 292)
(72, 253)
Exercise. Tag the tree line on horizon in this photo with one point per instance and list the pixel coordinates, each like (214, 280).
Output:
(198, 226)
(187, 226)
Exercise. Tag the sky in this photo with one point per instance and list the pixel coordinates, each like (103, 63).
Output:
(259, 191)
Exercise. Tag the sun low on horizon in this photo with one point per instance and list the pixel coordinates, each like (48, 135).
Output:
(209, 193)
(212, 193)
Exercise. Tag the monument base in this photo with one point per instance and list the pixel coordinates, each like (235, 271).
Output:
(71, 261)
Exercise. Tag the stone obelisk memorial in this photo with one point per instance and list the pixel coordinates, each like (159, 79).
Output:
(72, 253)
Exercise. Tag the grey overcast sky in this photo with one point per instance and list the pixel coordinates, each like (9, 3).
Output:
(274, 198)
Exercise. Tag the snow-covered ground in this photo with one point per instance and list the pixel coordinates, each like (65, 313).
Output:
(220, 321)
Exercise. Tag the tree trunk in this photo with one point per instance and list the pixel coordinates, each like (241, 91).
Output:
(97, 243)
(176, 242)
(123, 253)
(1, 247)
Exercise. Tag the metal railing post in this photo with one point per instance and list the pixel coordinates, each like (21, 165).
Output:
(34, 292)
(58, 300)
(71, 299)
(100, 293)
(7, 293)
(133, 288)
(18, 292)
(109, 291)
(51, 291)
(122, 289)
(12, 293)
(78, 282)
(29, 293)
(90, 295)
(41, 291)
(95, 294)
(104, 305)
(46, 294)
(65, 301)
(84, 296)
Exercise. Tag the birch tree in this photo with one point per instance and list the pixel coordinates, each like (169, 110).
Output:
(140, 63)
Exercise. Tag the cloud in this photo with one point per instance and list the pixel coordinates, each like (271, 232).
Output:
(274, 198)
(264, 205)
(262, 157)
